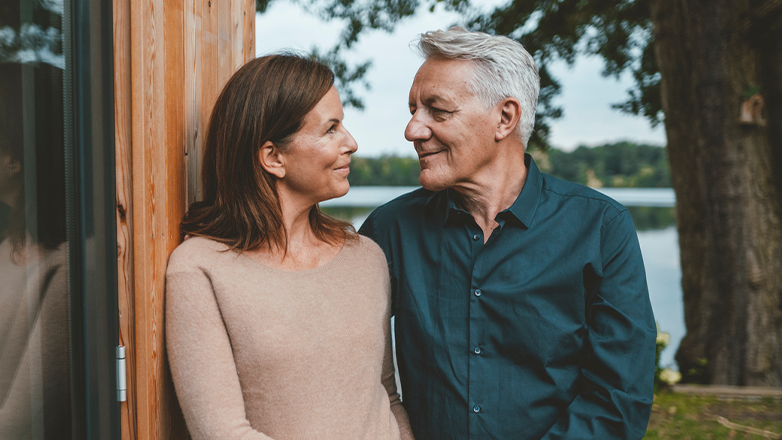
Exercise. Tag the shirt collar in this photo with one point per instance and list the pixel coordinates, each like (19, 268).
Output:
(525, 205)
(527, 202)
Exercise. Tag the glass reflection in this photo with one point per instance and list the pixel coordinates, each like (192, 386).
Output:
(34, 334)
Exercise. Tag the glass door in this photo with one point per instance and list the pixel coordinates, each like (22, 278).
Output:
(57, 306)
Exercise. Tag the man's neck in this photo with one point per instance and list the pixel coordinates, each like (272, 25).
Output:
(493, 191)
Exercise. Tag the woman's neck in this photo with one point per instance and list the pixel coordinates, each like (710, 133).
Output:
(302, 249)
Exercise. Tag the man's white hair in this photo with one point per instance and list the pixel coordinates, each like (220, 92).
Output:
(503, 68)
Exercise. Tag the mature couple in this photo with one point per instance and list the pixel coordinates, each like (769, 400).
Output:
(520, 300)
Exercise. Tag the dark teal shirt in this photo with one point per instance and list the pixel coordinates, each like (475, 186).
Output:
(546, 331)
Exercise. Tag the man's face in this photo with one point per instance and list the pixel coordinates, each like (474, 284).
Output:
(451, 130)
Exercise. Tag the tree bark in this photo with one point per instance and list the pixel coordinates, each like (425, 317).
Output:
(727, 176)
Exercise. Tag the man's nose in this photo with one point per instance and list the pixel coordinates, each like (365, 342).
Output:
(416, 129)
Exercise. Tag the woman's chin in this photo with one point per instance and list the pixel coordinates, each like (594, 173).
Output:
(337, 193)
(342, 193)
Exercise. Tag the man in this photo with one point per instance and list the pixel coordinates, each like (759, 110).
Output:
(521, 304)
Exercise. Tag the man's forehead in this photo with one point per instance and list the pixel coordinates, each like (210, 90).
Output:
(437, 82)
(432, 92)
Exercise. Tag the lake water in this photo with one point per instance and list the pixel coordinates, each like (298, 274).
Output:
(660, 249)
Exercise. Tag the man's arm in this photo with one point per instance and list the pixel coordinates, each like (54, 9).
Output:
(618, 370)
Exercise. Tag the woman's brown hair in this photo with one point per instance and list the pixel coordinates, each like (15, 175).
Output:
(265, 100)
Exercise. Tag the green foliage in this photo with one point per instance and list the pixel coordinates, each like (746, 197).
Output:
(346, 213)
(619, 31)
(647, 218)
(384, 171)
(663, 377)
(359, 17)
(681, 416)
(698, 373)
(618, 165)
(345, 75)
(621, 164)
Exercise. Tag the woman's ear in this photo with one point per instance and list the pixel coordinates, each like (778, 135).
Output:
(510, 113)
(271, 160)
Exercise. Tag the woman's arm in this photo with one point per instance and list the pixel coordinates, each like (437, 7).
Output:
(201, 359)
(389, 382)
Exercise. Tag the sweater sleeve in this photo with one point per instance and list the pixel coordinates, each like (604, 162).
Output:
(389, 382)
(201, 359)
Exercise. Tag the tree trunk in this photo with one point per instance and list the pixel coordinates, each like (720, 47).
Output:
(727, 176)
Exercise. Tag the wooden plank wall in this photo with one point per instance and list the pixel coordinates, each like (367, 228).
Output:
(171, 58)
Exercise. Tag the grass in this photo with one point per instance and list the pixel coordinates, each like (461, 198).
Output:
(684, 417)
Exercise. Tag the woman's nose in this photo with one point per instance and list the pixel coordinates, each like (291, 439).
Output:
(350, 143)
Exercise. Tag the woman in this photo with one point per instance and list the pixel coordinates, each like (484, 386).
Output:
(277, 316)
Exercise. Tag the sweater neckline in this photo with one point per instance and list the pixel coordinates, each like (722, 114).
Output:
(323, 267)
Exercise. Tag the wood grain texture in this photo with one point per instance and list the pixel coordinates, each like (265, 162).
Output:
(224, 46)
(174, 173)
(147, 54)
(124, 210)
(237, 34)
(248, 11)
(193, 90)
(171, 59)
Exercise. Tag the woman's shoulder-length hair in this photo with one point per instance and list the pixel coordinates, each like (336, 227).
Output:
(265, 100)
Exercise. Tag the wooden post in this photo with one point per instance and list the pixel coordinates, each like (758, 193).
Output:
(171, 58)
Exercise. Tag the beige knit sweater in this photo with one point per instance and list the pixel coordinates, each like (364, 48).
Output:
(259, 353)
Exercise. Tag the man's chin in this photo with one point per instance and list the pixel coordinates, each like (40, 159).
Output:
(432, 183)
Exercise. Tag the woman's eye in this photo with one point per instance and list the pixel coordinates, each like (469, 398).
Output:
(332, 129)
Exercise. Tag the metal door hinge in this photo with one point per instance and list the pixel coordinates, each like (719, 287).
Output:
(122, 394)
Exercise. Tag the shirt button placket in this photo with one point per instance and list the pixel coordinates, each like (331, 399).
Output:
(476, 369)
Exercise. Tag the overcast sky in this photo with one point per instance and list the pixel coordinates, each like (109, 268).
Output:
(379, 129)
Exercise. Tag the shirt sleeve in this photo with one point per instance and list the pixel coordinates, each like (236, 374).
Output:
(201, 360)
(371, 229)
(618, 370)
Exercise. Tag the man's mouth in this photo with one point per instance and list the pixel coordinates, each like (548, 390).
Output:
(423, 155)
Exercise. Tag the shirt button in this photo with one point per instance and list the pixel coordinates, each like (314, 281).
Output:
(477, 350)
(476, 409)
(478, 292)
(476, 237)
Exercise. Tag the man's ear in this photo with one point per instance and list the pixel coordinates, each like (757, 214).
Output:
(272, 160)
(510, 113)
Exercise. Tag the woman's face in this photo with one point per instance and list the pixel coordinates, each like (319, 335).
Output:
(317, 159)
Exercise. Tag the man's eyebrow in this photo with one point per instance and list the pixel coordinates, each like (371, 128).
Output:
(433, 99)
